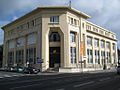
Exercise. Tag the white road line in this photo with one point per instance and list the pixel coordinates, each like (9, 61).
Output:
(1, 77)
(7, 76)
(31, 85)
(79, 85)
(61, 89)
(104, 79)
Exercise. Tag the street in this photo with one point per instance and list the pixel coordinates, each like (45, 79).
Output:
(61, 81)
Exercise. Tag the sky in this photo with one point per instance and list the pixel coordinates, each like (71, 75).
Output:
(105, 13)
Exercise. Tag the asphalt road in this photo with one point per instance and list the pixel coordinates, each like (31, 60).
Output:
(78, 81)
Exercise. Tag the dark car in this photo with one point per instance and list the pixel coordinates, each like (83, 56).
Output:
(30, 70)
(118, 69)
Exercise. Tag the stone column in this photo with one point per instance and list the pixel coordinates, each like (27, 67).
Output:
(111, 53)
(25, 48)
(93, 51)
(15, 45)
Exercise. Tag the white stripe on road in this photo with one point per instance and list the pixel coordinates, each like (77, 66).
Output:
(105, 79)
(79, 85)
(1, 77)
(31, 85)
(7, 76)
(61, 89)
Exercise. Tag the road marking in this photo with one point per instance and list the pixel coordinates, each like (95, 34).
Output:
(105, 79)
(79, 85)
(7, 76)
(61, 89)
(1, 77)
(31, 85)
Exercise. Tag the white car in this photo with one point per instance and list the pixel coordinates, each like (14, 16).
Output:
(118, 69)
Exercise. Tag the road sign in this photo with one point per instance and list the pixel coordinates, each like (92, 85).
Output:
(39, 60)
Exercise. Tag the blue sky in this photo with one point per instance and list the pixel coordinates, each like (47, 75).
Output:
(105, 13)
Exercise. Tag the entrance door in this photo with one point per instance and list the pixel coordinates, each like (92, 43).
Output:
(54, 57)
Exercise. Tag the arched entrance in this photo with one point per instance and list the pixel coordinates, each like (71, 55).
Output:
(54, 50)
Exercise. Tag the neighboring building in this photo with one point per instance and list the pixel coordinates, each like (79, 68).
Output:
(62, 37)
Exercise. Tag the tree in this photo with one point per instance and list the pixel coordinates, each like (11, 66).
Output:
(1, 55)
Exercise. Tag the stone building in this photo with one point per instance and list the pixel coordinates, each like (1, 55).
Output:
(62, 37)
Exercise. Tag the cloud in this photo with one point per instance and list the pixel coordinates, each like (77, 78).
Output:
(104, 13)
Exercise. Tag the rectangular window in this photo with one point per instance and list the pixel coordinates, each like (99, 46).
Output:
(102, 44)
(95, 56)
(33, 23)
(71, 20)
(54, 19)
(28, 25)
(74, 54)
(89, 54)
(10, 57)
(72, 37)
(96, 42)
(113, 46)
(98, 57)
(75, 22)
(108, 57)
(107, 45)
(71, 55)
(89, 41)
(31, 55)
(19, 56)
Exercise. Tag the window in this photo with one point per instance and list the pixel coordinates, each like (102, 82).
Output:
(54, 37)
(72, 37)
(103, 57)
(89, 56)
(96, 42)
(10, 57)
(113, 46)
(97, 57)
(73, 54)
(31, 39)
(11, 44)
(33, 23)
(108, 45)
(54, 19)
(20, 42)
(89, 41)
(31, 55)
(28, 25)
(108, 57)
(102, 44)
(71, 20)
(114, 58)
(19, 56)
(75, 22)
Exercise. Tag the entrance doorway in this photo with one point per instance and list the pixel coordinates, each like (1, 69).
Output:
(54, 57)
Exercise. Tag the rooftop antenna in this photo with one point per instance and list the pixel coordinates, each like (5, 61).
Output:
(70, 4)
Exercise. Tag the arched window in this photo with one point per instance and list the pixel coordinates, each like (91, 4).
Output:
(54, 37)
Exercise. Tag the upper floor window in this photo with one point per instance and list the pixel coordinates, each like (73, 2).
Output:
(33, 23)
(11, 44)
(72, 37)
(54, 37)
(108, 45)
(102, 44)
(89, 41)
(75, 21)
(113, 46)
(54, 19)
(96, 42)
(71, 20)
(28, 25)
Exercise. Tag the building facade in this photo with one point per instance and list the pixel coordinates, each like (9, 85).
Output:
(60, 36)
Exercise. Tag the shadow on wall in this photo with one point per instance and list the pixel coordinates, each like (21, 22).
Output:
(1, 55)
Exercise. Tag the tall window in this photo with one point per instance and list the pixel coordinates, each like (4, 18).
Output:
(96, 42)
(72, 37)
(33, 23)
(108, 57)
(97, 57)
(75, 21)
(103, 57)
(54, 19)
(108, 45)
(28, 25)
(102, 44)
(89, 41)
(71, 20)
(73, 54)
(89, 54)
(54, 37)
(10, 57)
(20, 56)
(113, 46)
(31, 55)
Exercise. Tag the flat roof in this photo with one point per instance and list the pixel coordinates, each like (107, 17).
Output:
(48, 7)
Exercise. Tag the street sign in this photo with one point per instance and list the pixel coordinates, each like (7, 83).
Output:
(39, 60)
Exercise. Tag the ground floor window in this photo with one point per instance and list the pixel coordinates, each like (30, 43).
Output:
(97, 58)
(114, 58)
(19, 56)
(103, 57)
(31, 55)
(73, 54)
(108, 57)
(89, 56)
(10, 57)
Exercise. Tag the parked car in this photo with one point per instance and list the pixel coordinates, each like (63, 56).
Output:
(31, 70)
(20, 69)
(118, 69)
(13, 69)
